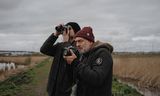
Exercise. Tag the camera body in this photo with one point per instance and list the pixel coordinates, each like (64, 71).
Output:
(67, 51)
(61, 28)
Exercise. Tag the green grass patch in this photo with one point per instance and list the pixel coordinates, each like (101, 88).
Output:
(119, 89)
(10, 86)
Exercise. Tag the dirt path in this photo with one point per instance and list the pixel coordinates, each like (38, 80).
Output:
(38, 86)
(41, 79)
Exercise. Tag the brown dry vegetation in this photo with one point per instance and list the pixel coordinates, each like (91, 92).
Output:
(142, 70)
(22, 60)
(28, 61)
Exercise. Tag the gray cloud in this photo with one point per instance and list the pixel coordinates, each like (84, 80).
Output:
(6, 5)
(130, 25)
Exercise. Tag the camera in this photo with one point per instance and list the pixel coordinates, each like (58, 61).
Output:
(61, 28)
(67, 51)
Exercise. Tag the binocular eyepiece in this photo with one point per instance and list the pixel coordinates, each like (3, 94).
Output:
(61, 28)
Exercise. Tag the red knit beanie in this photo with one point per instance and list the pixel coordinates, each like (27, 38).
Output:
(86, 33)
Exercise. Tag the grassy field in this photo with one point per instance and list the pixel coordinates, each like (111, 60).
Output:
(21, 63)
(142, 70)
(33, 83)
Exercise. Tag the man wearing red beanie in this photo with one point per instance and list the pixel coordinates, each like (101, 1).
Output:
(93, 70)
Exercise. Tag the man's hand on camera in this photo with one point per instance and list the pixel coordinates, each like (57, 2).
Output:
(70, 58)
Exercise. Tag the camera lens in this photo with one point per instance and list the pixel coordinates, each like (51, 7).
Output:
(66, 51)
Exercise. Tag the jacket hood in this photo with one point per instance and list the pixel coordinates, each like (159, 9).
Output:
(99, 44)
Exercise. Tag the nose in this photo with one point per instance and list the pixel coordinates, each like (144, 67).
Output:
(77, 44)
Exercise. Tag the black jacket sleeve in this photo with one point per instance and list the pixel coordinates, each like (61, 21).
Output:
(95, 71)
(49, 48)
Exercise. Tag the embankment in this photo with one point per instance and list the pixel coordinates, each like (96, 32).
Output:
(141, 71)
(21, 63)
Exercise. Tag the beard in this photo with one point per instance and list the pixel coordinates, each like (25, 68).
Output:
(83, 50)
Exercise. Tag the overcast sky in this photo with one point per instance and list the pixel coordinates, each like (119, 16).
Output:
(129, 25)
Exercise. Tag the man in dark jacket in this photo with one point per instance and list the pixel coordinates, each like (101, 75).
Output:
(60, 79)
(94, 69)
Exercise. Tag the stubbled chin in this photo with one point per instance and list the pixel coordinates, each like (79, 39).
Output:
(80, 50)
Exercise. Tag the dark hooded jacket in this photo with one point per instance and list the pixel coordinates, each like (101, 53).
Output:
(60, 77)
(94, 71)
